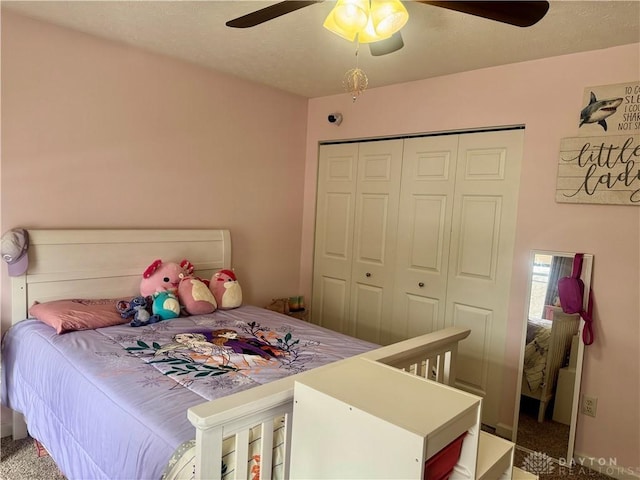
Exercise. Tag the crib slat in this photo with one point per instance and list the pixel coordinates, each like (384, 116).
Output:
(436, 371)
(422, 368)
(450, 365)
(428, 370)
(442, 362)
(287, 440)
(266, 450)
(209, 453)
(432, 365)
(242, 454)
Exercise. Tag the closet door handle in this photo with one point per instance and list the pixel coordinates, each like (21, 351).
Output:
(421, 284)
(367, 274)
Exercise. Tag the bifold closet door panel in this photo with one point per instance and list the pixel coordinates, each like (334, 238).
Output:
(335, 215)
(481, 258)
(424, 230)
(374, 242)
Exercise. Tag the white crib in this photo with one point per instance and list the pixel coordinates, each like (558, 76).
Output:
(329, 406)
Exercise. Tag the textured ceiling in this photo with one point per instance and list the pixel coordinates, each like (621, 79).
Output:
(295, 53)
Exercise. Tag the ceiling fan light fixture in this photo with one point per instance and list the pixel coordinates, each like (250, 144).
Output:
(331, 25)
(348, 18)
(388, 16)
(369, 34)
(369, 20)
(386, 46)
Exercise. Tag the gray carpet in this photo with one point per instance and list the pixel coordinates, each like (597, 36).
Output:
(20, 461)
(549, 437)
(541, 440)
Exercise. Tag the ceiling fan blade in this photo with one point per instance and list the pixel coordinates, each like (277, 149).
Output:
(519, 13)
(268, 13)
(388, 45)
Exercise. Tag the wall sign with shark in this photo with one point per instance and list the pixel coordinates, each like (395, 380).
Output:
(602, 165)
(610, 110)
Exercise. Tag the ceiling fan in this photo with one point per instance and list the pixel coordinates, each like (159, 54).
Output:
(520, 13)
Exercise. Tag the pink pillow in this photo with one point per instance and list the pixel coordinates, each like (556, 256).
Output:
(70, 315)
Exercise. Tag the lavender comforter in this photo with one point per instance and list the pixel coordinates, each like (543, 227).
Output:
(111, 403)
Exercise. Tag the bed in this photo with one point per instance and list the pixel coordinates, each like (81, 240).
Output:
(547, 346)
(123, 402)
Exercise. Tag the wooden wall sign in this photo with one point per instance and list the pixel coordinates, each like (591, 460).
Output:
(602, 164)
(602, 169)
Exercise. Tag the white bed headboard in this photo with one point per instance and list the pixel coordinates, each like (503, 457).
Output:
(108, 263)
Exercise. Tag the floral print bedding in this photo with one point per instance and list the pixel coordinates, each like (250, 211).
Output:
(111, 403)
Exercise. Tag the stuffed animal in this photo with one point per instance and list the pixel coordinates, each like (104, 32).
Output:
(165, 304)
(195, 296)
(226, 289)
(193, 292)
(160, 276)
(138, 308)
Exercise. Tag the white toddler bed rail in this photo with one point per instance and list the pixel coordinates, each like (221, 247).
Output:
(431, 356)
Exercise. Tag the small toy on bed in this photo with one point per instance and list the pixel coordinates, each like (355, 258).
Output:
(160, 282)
(138, 308)
(226, 289)
(194, 293)
(161, 276)
(195, 296)
(165, 304)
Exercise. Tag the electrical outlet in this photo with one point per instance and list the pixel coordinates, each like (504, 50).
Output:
(589, 405)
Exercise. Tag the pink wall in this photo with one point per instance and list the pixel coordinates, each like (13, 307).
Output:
(99, 135)
(545, 96)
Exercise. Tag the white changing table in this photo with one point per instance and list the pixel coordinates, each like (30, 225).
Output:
(363, 419)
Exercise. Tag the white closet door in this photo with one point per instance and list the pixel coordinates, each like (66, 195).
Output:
(482, 239)
(376, 221)
(334, 235)
(424, 230)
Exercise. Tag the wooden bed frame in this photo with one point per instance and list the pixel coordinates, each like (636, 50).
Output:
(108, 264)
(105, 264)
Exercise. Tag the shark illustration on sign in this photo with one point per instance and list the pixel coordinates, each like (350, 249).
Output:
(599, 110)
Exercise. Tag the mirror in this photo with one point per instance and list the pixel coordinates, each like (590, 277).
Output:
(551, 360)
